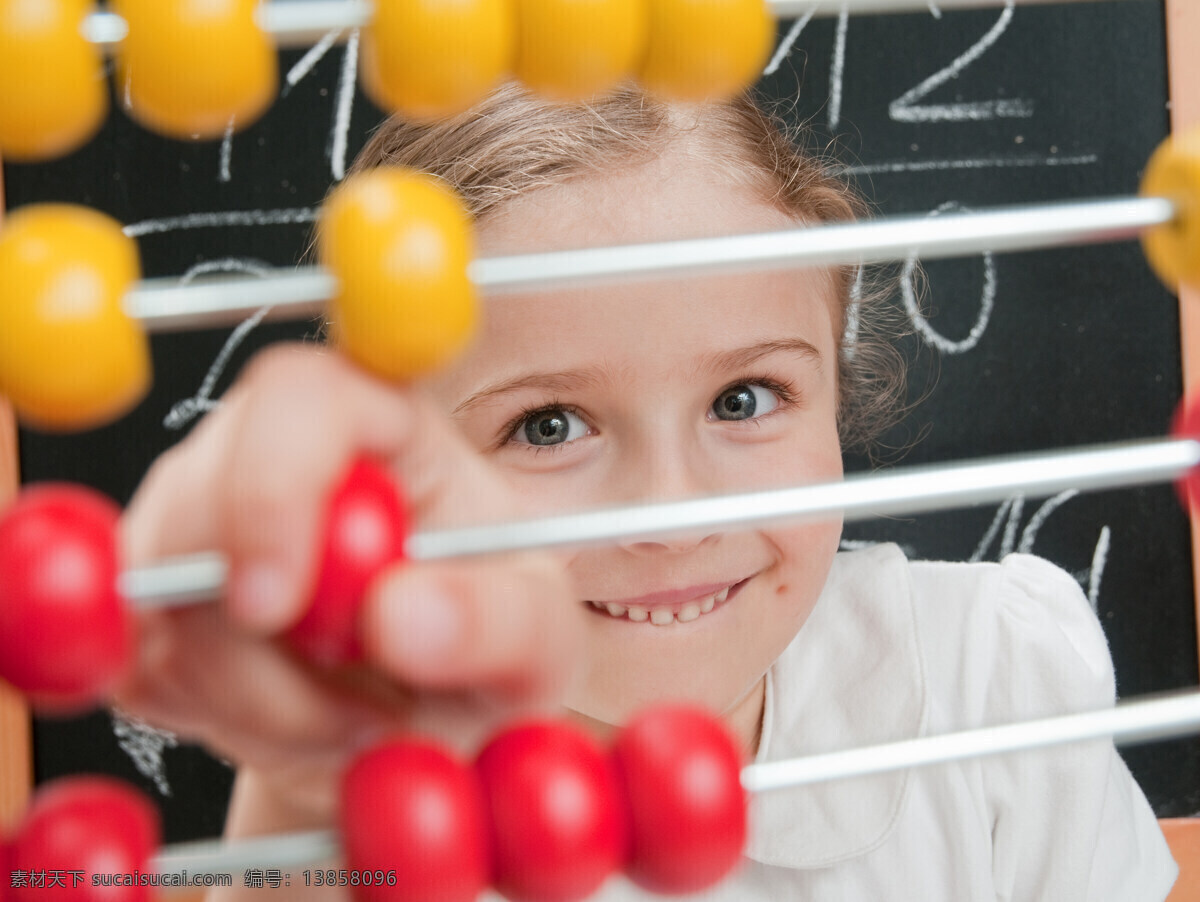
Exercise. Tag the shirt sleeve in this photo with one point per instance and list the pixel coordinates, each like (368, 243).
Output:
(1068, 823)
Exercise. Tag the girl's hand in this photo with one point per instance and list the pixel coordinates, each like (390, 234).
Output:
(452, 647)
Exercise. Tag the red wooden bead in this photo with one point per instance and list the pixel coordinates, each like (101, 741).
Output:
(559, 822)
(411, 809)
(1186, 424)
(80, 827)
(6, 869)
(682, 771)
(65, 634)
(365, 531)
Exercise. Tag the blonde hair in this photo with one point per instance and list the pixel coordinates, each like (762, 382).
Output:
(514, 142)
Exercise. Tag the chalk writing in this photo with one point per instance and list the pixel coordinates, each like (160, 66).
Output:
(183, 412)
(789, 39)
(226, 155)
(339, 132)
(906, 108)
(220, 220)
(987, 300)
(339, 137)
(850, 338)
(306, 63)
(837, 68)
(1099, 559)
(997, 162)
(145, 745)
(1008, 515)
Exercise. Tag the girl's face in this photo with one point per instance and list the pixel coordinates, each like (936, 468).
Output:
(659, 390)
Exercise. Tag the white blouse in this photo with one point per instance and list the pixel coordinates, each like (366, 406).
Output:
(896, 649)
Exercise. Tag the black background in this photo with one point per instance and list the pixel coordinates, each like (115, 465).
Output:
(1081, 345)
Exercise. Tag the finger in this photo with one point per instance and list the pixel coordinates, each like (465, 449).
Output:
(171, 512)
(241, 696)
(446, 481)
(507, 626)
(306, 413)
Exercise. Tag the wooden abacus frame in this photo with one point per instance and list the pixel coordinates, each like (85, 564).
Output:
(1183, 39)
(1183, 66)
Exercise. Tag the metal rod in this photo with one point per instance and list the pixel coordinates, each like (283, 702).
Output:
(1143, 720)
(1016, 228)
(218, 856)
(301, 23)
(858, 497)
(1127, 723)
(290, 23)
(791, 9)
(175, 581)
(163, 305)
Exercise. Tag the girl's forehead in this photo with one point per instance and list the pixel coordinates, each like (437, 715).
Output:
(655, 332)
(683, 192)
(650, 328)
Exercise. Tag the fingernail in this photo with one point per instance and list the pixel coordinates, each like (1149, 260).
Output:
(261, 596)
(421, 627)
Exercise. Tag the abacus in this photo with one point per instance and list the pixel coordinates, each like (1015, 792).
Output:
(1149, 213)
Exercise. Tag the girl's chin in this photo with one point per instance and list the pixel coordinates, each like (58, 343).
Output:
(742, 715)
(604, 730)
(605, 710)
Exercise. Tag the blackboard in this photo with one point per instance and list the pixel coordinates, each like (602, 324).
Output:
(930, 112)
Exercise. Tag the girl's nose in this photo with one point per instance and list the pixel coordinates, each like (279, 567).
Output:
(665, 472)
(673, 545)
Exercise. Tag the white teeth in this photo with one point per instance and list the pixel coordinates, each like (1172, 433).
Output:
(662, 616)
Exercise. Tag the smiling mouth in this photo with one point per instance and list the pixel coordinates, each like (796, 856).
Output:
(664, 615)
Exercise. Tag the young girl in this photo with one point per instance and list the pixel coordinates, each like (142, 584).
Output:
(648, 390)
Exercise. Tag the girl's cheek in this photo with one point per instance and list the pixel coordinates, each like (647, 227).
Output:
(793, 460)
(806, 555)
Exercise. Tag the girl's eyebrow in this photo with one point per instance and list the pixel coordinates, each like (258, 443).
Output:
(557, 382)
(570, 380)
(739, 358)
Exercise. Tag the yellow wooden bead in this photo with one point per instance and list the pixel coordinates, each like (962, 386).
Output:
(53, 96)
(706, 49)
(399, 242)
(577, 49)
(432, 58)
(189, 68)
(69, 356)
(1174, 172)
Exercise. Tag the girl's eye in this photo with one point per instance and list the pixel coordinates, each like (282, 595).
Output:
(549, 427)
(744, 402)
